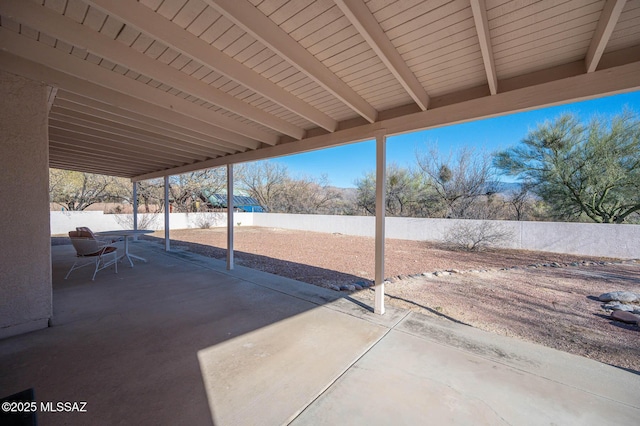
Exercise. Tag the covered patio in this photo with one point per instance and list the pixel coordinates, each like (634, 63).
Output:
(154, 88)
(181, 340)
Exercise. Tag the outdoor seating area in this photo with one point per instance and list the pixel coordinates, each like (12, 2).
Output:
(181, 340)
(88, 247)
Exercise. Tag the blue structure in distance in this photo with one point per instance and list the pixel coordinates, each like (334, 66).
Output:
(247, 204)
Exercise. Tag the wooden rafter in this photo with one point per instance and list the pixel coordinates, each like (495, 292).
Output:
(90, 108)
(155, 25)
(606, 24)
(482, 28)
(69, 31)
(162, 107)
(360, 17)
(250, 19)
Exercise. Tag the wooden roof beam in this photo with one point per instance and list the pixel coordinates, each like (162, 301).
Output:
(75, 117)
(363, 20)
(121, 118)
(53, 58)
(161, 106)
(109, 140)
(69, 31)
(584, 86)
(479, 10)
(607, 22)
(158, 27)
(253, 21)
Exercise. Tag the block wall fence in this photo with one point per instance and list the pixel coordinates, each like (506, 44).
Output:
(589, 239)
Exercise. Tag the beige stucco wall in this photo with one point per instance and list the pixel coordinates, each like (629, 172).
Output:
(25, 248)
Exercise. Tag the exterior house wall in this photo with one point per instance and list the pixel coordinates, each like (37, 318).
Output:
(25, 252)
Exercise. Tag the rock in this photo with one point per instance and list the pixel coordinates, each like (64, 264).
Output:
(454, 271)
(626, 317)
(620, 296)
(555, 265)
(347, 287)
(357, 287)
(427, 274)
(617, 306)
(441, 273)
(392, 279)
(334, 287)
(575, 264)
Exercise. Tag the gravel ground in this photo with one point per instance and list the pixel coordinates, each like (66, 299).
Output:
(553, 306)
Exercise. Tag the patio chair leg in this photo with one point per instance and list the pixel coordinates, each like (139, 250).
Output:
(71, 270)
(96, 270)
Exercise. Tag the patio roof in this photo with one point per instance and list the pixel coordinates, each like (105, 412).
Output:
(158, 87)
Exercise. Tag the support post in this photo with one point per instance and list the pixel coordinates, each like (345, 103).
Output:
(381, 186)
(135, 205)
(230, 208)
(167, 208)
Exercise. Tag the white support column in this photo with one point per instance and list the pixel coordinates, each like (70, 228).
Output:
(230, 208)
(167, 245)
(135, 205)
(381, 187)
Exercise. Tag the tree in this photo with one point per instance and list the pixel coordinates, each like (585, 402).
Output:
(464, 182)
(186, 189)
(263, 180)
(76, 191)
(581, 171)
(520, 200)
(151, 193)
(271, 185)
(406, 194)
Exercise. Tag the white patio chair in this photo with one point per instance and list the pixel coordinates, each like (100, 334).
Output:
(102, 240)
(90, 248)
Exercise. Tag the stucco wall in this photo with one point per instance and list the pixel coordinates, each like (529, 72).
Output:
(25, 250)
(589, 239)
(63, 222)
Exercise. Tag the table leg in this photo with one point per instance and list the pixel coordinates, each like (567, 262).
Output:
(129, 255)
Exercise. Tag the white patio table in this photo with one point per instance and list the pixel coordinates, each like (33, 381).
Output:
(126, 233)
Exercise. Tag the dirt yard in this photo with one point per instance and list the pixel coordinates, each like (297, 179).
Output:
(544, 298)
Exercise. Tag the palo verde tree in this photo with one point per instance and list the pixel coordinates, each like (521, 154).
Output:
(581, 171)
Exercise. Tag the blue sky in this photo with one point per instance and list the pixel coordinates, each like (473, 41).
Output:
(344, 164)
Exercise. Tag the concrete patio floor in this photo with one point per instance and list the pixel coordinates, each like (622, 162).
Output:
(180, 340)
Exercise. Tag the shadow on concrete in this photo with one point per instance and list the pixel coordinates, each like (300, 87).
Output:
(143, 346)
(434, 311)
(296, 271)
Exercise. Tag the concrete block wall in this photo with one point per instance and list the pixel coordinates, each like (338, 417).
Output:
(63, 222)
(589, 239)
